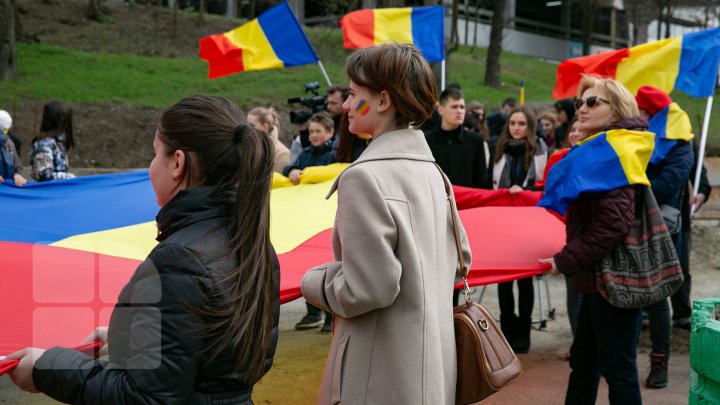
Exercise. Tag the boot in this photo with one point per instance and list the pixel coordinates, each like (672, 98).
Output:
(507, 325)
(522, 335)
(658, 377)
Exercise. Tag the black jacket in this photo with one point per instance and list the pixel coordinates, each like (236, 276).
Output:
(464, 156)
(153, 349)
(669, 178)
(313, 156)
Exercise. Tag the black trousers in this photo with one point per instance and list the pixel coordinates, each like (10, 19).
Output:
(516, 328)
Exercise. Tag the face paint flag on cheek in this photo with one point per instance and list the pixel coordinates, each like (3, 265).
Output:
(363, 108)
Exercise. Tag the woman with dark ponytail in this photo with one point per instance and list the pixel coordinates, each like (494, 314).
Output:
(197, 322)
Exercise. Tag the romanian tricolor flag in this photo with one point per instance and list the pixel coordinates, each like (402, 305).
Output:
(602, 162)
(669, 125)
(273, 40)
(423, 27)
(688, 63)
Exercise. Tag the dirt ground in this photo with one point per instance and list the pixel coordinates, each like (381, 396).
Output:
(107, 136)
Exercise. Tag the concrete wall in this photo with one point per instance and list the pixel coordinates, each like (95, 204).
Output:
(705, 352)
(515, 41)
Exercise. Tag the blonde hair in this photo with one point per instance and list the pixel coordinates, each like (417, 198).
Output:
(266, 115)
(622, 103)
(550, 116)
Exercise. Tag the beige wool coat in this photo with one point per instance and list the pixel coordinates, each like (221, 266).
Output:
(391, 284)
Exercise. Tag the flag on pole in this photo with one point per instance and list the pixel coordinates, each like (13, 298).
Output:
(688, 63)
(669, 125)
(423, 27)
(602, 162)
(273, 40)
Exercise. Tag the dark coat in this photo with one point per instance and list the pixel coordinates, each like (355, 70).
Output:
(595, 224)
(322, 155)
(704, 188)
(153, 351)
(464, 156)
(669, 178)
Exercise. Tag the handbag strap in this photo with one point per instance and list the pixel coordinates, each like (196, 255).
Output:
(453, 216)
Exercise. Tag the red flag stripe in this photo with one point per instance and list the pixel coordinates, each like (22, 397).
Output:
(358, 29)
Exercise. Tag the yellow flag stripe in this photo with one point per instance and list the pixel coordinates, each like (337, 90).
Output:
(393, 24)
(296, 214)
(678, 124)
(656, 63)
(633, 149)
(257, 53)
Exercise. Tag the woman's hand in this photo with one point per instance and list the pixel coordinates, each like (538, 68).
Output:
(697, 201)
(553, 269)
(22, 374)
(100, 334)
(19, 180)
(515, 189)
(294, 176)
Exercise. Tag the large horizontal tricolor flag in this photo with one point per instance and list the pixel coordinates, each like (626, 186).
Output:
(669, 125)
(688, 63)
(69, 246)
(273, 40)
(423, 27)
(602, 162)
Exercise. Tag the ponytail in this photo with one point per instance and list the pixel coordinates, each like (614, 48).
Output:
(236, 160)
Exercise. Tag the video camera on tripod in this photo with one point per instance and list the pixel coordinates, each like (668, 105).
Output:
(316, 103)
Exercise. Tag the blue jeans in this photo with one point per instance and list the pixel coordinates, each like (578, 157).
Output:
(605, 344)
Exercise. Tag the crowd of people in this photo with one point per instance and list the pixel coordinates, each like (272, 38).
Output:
(211, 333)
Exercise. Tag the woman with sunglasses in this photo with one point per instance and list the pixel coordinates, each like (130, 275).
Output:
(606, 338)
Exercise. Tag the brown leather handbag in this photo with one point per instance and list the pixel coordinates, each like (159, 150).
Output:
(485, 361)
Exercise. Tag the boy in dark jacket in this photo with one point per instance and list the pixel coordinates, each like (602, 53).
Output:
(668, 177)
(320, 152)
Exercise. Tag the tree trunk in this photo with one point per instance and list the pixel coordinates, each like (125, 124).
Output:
(588, 10)
(251, 9)
(492, 65)
(175, 6)
(668, 16)
(7, 40)
(202, 12)
(477, 23)
(661, 8)
(467, 24)
(454, 26)
(93, 10)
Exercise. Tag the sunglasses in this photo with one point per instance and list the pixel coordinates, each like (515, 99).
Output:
(590, 101)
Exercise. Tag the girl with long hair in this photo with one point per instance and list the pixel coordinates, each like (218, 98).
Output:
(49, 154)
(197, 322)
(520, 160)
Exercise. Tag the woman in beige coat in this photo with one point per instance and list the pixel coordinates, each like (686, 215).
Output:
(396, 262)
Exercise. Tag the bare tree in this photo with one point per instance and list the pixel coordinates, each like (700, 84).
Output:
(251, 9)
(93, 10)
(588, 10)
(492, 64)
(201, 12)
(175, 6)
(454, 27)
(7, 40)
